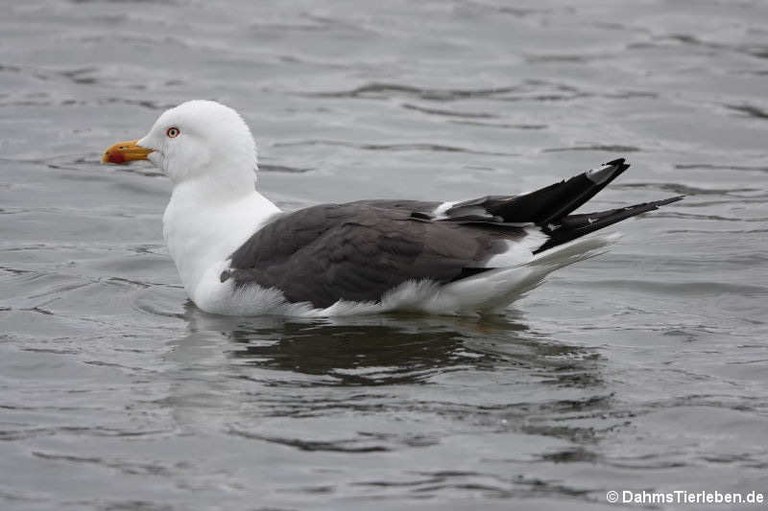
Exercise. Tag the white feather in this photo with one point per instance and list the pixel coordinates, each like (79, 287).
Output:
(439, 213)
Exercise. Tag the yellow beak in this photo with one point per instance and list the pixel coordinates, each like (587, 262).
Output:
(123, 152)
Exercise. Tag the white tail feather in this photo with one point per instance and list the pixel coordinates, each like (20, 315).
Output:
(494, 290)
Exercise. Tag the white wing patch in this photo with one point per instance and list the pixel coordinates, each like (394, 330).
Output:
(600, 175)
(518, 251)
(439, 213)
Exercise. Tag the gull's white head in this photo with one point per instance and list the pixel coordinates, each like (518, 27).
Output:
(196, 141)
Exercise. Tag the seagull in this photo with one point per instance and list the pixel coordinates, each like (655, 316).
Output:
(237, 253)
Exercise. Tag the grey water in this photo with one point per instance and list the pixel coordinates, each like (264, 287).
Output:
(643, 369)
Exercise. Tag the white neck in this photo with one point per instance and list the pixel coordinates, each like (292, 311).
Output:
(205, 222)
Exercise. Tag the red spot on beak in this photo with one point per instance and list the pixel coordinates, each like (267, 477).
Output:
(115, 157)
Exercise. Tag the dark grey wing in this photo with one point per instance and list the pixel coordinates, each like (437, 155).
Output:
(411, 206)
(359, 251)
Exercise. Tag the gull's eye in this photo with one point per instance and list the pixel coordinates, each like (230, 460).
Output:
(173, 132)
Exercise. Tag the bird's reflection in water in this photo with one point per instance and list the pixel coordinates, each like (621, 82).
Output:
(395, 349)
(380, 383)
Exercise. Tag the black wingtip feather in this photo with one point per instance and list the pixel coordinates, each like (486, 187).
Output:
(576, 226)
(551, 203)
(664, 202)
(618, 161)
